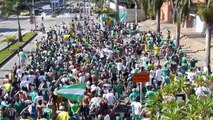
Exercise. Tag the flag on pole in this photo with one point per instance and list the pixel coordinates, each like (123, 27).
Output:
(73, 92)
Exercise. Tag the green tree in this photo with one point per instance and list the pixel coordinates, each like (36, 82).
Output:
(98, 3)
(158, 4)
(8, 40)
(166, 107)
(136, 11)
(182, 10)
(151, 8)
(14, 7)
(117, 10)
(206, 14)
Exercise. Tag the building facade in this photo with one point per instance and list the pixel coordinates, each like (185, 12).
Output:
(194, 21)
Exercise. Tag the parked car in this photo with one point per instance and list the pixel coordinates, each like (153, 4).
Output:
(25, 13)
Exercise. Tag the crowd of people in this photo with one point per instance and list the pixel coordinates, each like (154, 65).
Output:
(82, 52)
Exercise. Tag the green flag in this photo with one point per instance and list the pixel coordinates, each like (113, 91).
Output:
(73, 92)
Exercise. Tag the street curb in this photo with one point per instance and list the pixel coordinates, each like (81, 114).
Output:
(15, 52)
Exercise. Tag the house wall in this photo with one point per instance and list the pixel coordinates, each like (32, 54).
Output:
(198, 1)
(130, 13)
(166, 12)
(199, 25)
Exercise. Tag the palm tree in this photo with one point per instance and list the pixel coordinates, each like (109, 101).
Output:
(182, 12)
(205, 12)
(14, 7)
(152, 7)
(117, 10)
(144, 4)
(8, 40)
(136, 11)
(158, 4)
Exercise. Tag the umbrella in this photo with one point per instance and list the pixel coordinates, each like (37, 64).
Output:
(73, 92)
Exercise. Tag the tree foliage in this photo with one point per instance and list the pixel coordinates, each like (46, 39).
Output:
(151, 6)
(12, 7)
(206, 13)
(192, 108)
(8, 40)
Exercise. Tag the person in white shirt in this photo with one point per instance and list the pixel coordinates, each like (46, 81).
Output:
(23, 84)
(191, 75)
(31, 78)
(202, 91)
(151, 77)
(82, 77)
(39, 97)
(145, 59)
(110, 98)
(19, 72)
(95, 101)
(119, 65)
(136, 108)
(158, 75)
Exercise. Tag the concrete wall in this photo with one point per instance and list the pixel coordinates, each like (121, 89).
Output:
(199, 25)
(130, 13)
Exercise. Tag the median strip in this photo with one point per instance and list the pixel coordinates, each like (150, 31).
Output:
(6, 54)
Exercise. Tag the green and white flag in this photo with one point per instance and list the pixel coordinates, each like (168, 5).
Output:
(73, 92)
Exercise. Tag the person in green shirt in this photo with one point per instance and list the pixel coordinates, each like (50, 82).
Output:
(167, 80)
(22, 57)
(193, 63)
(165, 70)
(149, 96)
(45, 116)
(184, 59)
(48, 111)
(184, 67)
(4, 118)
(19, 106)
(133, 95)
(74, 109)
(33, 94)
(118, 89)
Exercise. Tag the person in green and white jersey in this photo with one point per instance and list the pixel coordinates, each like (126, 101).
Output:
(22, 57)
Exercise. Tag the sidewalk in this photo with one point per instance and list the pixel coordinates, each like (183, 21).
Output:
(193, 43)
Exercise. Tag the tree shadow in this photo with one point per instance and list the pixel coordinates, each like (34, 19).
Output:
(2, 30)
(14, 18)
(195, 35)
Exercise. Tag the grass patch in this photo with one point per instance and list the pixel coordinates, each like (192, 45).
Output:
(5, 53)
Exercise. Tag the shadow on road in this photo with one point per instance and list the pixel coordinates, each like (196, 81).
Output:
(8, 30)
(21, 18)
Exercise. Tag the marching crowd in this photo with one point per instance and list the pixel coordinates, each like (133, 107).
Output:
(82, 52)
